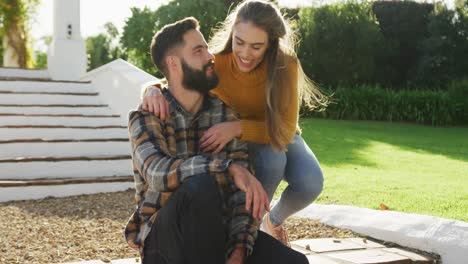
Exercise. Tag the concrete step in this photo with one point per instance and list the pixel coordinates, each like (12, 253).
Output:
(63, 149)
(68, 167)
(23, 73)
(38, 191)
(97, 110)
(60, 121)
(49, 99)
(61, 133)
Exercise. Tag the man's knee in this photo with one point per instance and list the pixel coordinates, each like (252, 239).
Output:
(202, 191)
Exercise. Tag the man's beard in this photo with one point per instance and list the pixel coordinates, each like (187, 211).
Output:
(197, 80)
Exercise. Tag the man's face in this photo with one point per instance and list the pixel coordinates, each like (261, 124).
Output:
(197, 63)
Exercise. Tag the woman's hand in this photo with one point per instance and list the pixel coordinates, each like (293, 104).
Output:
(155, 102)
(215, 138)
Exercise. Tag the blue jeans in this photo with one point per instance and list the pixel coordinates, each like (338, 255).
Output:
(298, 166)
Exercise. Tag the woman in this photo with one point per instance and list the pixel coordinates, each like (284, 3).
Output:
(262, 79)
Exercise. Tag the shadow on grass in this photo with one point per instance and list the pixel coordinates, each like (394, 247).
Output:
(338, 142)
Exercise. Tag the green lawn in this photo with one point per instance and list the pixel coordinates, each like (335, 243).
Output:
(410, 168)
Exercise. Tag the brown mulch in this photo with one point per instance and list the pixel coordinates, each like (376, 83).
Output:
(87, 227)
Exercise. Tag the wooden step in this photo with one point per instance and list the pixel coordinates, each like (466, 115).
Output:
(41, 182)
(61, 168)
(46, 99)
(60, 121)
(61, 133)
(64, 149)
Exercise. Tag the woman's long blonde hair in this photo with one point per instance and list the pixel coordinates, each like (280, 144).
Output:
(280, 53)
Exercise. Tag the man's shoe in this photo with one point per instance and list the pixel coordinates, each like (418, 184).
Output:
(277, 232)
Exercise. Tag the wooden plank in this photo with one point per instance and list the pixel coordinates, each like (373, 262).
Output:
(60, 121)
(70, 158)
(45, 99)
(64, 149)
(66, 181)
(60, 133)
(65, 169)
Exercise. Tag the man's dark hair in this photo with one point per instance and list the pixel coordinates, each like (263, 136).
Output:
(168, 37)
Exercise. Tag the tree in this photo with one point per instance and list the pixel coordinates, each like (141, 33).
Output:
(339, 43)
(136, 37)
(144, 23)
(15, 15)
(103, 48)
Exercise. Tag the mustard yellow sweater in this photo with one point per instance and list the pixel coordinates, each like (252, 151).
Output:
(245, 92)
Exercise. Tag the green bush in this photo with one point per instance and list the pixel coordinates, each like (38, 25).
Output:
(339, 43)
(445, 50)
(437, 108)
(403, 25)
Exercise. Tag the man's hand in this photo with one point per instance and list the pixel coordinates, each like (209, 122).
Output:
(237, 256)
(255, 194)
(217, 136)
(155, 102)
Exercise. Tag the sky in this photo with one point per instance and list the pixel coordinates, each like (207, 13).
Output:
(95, 13)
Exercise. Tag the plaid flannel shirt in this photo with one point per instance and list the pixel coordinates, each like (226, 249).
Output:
(165, 153)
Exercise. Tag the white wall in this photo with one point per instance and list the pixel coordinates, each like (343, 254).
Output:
(119, 84)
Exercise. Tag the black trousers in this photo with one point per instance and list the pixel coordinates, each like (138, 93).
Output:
(189, 229)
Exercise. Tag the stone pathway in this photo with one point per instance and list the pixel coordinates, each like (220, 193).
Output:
(333, 251)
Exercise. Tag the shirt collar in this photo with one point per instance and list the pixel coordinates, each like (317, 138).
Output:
(175, 106)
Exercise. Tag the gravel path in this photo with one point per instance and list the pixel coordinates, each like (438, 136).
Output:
(87, 227)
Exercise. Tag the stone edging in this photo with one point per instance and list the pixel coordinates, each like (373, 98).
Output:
(446, 237)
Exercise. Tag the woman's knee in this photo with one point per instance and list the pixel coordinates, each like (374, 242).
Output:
(264, 158)
(309, 181)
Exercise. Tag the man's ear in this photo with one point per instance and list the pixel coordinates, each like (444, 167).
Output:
(172, 62)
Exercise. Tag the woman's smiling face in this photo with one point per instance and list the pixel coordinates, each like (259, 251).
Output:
(249, 45)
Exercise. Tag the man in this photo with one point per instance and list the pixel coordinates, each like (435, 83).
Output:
(194, 207)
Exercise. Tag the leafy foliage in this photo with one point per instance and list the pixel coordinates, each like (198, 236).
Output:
(444, 48)
(136, 38)
(419, 106)
(15, 16)
(140, 28)
(102, 48)
(41, 60)
(339, 43)
(404, 26)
